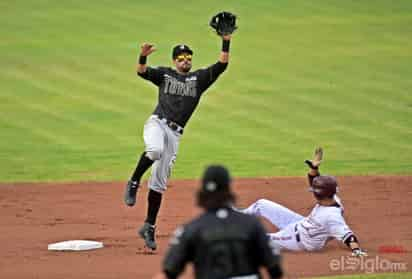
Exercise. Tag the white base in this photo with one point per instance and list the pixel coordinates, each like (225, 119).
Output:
(75, 245)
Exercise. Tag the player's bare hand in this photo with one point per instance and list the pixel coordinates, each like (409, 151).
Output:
(317, 159)
(358, 252)
(146, 49)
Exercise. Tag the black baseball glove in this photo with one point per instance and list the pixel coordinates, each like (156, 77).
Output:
(224, 23)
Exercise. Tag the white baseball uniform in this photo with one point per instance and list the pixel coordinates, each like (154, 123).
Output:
(299, 233)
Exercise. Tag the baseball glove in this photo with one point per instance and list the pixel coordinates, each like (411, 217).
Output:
(224, 23)
(358, 252)
(317, 159)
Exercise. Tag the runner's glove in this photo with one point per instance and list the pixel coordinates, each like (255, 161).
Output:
(358, 252)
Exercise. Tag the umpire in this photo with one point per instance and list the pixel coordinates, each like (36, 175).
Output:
(221, 243)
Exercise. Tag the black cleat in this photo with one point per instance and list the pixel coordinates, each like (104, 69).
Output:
(147, 232)
(130, 194)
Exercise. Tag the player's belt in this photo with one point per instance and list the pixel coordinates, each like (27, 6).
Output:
(172, 125)
(297, 235)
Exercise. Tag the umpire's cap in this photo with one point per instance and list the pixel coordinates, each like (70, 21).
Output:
(179, 49)
(215, 189)
(324, 186)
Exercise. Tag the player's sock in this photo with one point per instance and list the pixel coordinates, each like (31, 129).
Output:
(154, 200)
(142, 166)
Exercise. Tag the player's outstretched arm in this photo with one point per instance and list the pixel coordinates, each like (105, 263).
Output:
(224, 54)
(353, 244)
(314, 164)
(224, 24)
(145, 50)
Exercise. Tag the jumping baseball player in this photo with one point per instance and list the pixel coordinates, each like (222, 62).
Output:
(179, 93)
(221, 242)
(325, 222)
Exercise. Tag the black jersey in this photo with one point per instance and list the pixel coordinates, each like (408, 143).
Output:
(221, 243)
(179, 94)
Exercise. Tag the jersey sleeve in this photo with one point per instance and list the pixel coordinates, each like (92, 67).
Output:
(178, 253)
(210, 74)
(152, 74)
(337, 227)
(268, 251)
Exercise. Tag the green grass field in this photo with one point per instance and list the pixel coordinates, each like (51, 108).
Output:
(303, 73)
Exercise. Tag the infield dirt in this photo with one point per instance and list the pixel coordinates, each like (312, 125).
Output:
(377, 208)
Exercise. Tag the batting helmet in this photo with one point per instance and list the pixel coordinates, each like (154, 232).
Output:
(215, 190)
(324, 186)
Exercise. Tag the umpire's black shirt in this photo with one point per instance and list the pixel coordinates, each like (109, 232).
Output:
(222, 244)
(179, 94)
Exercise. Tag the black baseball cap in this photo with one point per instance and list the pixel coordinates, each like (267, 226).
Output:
(179, 49)
(215, 179)
(215, 189)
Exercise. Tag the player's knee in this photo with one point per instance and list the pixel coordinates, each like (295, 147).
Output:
(262, 202)
(256, 207)
(154, 154)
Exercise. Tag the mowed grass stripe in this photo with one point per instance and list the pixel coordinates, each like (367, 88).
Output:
(99, 91)
(52, 88)
(73, 91)
(69, 125)
(29, 129)
(66, 121)
(319, 109)
(364, 121)
(121, 85)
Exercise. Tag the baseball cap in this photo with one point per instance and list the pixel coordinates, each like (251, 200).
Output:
(179, 49)
(215, 179)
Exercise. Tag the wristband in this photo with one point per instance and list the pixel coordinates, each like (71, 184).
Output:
(142, 59)
(310, 164)
(225, 45)
(351, 238)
